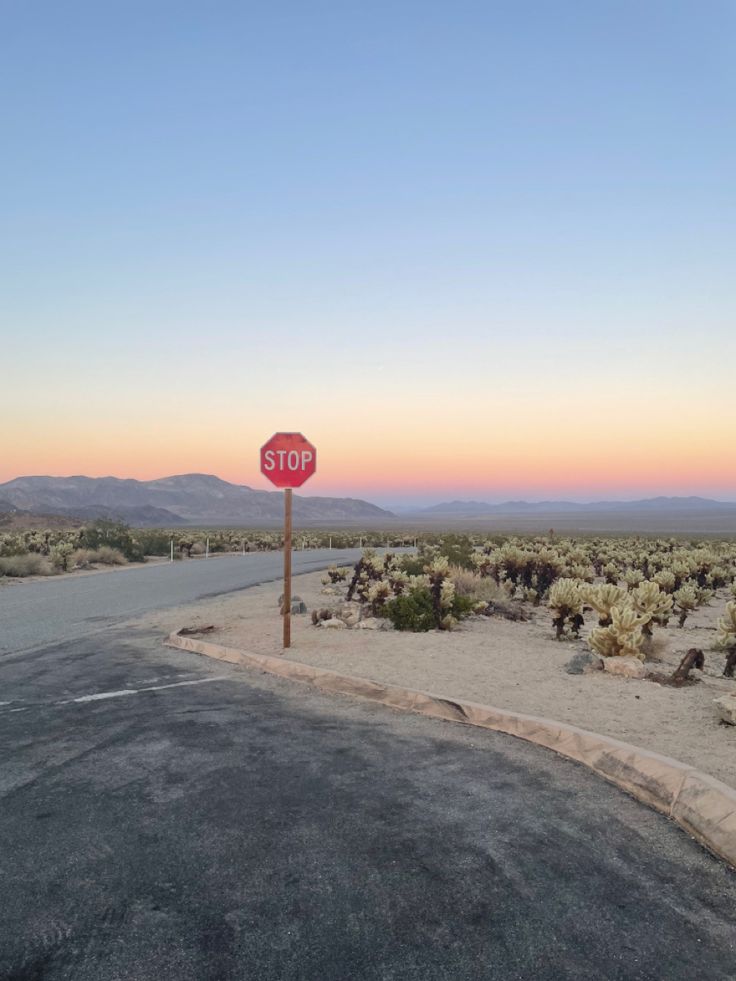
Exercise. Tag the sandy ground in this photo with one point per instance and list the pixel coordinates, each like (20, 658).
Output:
(511, 665)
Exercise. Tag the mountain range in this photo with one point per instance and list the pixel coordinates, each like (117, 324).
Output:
(185, 499)
(203, 499)
(670, 504)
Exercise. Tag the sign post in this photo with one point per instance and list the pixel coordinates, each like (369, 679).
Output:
(288, 460)
(286, 606)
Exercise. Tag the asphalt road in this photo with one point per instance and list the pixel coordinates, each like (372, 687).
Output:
(65, 607)
(165, 816)
(217, 824)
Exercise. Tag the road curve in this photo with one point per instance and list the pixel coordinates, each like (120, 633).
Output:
(67, 607)
(164, 817)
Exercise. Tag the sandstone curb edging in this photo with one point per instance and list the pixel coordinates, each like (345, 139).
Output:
(700, 804)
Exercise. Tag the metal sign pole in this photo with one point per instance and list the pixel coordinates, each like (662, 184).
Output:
(287, 567)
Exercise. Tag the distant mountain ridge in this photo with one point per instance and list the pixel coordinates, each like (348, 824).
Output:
(183, 499)
(670, 504)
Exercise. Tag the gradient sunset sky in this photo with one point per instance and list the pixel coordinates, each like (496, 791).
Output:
(471, 250)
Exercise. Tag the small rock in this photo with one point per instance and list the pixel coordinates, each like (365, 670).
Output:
(726, 707)
(351, 614)
(328, 591)
(370, 623)
(624, 667)
(335, 624)
(584, 663)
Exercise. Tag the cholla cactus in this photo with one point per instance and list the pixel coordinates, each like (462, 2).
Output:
(622, 638)
(727, 627)
(442, 590)
(651, 602)
(485, 564)
(566, 604)
(61, 555)
(398, 581)
(377, 594)
(632, 578)
(666, 580)
(704, 596)
(687, 600)
(726, 639)
(368, 569)
(603, 599)
(611, 573)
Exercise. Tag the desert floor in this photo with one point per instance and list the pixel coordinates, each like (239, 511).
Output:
(511, 665)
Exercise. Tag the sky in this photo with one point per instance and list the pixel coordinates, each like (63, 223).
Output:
(471, 250)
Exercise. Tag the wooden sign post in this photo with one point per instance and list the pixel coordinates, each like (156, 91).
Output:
(288, 460)
(286, 605)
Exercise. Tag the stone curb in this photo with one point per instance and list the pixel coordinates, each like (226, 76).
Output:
(702, 805)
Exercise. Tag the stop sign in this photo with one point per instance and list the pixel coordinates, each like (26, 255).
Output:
(288, 459)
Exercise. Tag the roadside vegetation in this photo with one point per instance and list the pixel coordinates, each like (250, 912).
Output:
(623, 591)
(51, 551)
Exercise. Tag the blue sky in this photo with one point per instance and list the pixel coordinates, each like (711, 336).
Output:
(443, 211)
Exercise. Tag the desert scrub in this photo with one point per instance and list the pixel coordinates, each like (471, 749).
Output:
(83, 558)
(415, 611)
(480, 589)
(112, 534)
(30, 564)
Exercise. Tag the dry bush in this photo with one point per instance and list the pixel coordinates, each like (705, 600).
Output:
(110, 556)
(482, 589)
(84, 558)
(30, 564)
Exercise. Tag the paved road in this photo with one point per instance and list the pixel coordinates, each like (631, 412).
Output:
(217, 824)
(41, 612)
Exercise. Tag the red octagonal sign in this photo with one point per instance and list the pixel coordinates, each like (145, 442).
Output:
(288, 459)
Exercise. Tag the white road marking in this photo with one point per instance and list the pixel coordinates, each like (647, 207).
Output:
(99, 696)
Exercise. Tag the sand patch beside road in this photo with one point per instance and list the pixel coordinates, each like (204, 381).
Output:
(516, 666)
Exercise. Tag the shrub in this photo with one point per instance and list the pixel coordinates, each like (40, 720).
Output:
(412, 565)
(30, 564)
(481, 589)
(109, 556)
(413, 611)
(462, 606)
(113, 534)
(81, 558)
(153, 542)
